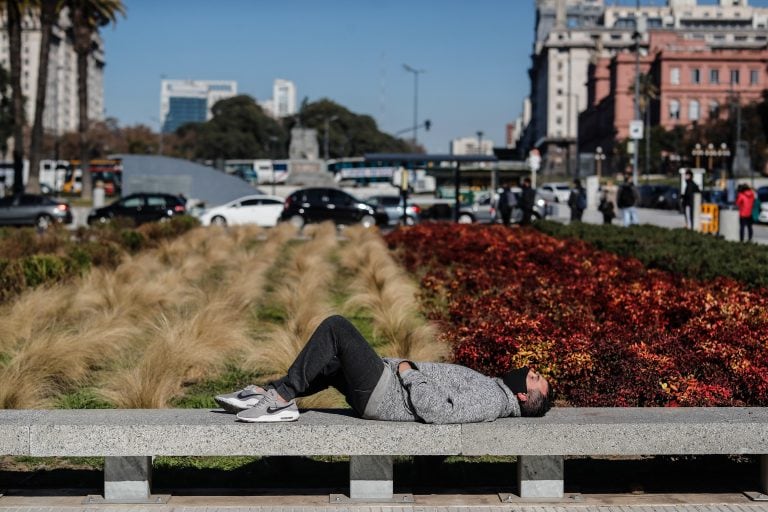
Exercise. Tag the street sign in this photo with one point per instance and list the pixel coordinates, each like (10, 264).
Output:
(636, 130)
(534, 159)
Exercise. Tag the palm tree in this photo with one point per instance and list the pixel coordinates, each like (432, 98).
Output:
(15, 10)
(48, 11)
(87, 17)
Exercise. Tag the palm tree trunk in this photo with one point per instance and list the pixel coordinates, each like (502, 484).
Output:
(83, 37)
(17, 99)
(48, 11)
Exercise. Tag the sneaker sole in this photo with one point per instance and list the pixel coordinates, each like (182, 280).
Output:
(233, 405)
(273, 418)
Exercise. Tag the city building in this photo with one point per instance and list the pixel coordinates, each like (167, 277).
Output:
(62, 109)
(283, 98)
(581, 44)
(471, 146)
(188, 101)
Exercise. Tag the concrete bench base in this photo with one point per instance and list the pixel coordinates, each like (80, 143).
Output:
(130, 438)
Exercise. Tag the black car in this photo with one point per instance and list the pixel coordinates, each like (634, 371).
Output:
(141, 207)
(33, 210)
(664, 197)
(310, 205)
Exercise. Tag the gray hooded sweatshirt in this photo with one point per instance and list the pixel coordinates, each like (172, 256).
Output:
(439, 393)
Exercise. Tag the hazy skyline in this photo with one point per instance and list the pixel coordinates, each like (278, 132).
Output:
(475, 55)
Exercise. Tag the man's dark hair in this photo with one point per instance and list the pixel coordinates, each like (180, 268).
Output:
(537, 404)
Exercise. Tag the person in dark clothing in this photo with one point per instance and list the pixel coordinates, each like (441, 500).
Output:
(606, 208)
(505, 204)
(527, 201)
(691, 188)
(338, 356)
(577, 201)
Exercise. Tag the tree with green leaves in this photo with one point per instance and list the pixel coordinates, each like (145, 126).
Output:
(88, 16)
(48, 12)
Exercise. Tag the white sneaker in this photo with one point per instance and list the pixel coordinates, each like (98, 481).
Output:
(270, 409)
(241, 400)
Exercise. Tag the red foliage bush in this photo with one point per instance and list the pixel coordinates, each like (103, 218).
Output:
(605, 330)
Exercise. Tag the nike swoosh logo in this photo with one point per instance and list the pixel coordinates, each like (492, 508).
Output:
(274, 409)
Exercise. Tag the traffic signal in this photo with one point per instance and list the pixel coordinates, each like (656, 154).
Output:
(427, 124)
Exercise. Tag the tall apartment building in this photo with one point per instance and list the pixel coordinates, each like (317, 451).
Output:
(190, 101)
(573, 36)
(283, 98)
(61, 111)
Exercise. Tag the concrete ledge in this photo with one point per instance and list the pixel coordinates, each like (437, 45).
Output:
(576, 431)
(624, 431)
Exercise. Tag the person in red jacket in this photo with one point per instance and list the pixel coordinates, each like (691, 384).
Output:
(745, 200)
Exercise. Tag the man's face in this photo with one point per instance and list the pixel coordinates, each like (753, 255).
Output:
(535, 382)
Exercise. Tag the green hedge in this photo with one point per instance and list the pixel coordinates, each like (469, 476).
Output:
(29, 258)
(681, 251)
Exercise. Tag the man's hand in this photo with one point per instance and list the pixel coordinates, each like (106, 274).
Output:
(404, 366)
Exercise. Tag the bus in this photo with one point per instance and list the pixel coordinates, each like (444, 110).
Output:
(364, 173)
(107, 171)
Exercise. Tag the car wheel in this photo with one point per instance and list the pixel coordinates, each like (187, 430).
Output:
(466, 218)
(410, 221)
(367, 221)
(43, 222)
(218, 221)
(297, 221)
(536, 216)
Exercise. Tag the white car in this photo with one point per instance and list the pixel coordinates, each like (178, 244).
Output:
(262, 210)
(555, 192)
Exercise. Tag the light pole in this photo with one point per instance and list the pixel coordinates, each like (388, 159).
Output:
(635, 159)
(697, 153)
(325, 141)
(599, 157)
(479, 142)
(710, 153)
(272, 140)
(416, 73)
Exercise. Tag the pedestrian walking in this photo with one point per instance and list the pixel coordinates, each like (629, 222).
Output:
(691, 189)
(627, 200)
(745, 201)
(606, 208)
(577, 201)
(527, 201)
(506, 203)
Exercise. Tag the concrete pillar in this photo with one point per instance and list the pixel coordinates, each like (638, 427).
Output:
(127, 478)
(729, 225)
(697, 212)
(540, 476)
(371, 477)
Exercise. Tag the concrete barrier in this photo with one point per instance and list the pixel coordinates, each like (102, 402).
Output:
(129, 438)
(729, 225)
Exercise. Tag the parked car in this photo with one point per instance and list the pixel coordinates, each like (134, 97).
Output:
(142, 207)
(262, 210)
(319, 204)
(555, 192)
(33, 210)
(762, 195)
(393, 206)
(482, 210)
(664, 197)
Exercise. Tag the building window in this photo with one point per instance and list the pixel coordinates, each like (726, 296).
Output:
(714, 76)
(696, 76)
(734, 76)
(754, 76)
(674, 76)
(714, 109)
(674, 109)
(693, 110)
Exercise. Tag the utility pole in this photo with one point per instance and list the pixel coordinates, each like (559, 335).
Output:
(635, 159)
(416, 73)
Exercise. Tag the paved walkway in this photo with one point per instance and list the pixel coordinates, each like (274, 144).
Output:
(432, 503)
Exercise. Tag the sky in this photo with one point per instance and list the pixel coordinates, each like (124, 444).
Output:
(474, 54)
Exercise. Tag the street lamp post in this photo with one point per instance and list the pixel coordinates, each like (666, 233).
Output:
(697, 153)
(416, 73)
(599, 157)
(710, 153)
(637, 35)
(479, 142)
(326, 150)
